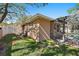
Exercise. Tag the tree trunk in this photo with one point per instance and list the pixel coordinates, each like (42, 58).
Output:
(5, 13)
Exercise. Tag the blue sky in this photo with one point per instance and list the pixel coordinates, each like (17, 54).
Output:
(53, 10)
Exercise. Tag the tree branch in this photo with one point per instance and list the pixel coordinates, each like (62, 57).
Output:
(8, 12)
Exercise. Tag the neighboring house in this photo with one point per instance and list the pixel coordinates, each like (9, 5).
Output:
(71, 23)
(64, 24)
(41, 27)
(10, 29)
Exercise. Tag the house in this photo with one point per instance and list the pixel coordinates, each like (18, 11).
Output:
(41, 27)
(71, 23)
(10, 29)
(63, 24)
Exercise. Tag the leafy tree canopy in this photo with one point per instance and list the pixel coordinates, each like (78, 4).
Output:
(11, 11)
(73, 9)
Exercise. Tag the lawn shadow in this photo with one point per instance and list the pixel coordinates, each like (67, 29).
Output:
(6, 41)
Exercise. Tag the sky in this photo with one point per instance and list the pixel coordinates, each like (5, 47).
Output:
(53, 10)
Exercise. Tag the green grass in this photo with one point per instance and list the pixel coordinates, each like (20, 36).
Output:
(29, 47)
(25, 47)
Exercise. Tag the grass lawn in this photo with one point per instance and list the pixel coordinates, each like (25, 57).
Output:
(24, 47)
(29, 47)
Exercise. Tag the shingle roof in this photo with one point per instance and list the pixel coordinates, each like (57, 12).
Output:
(32, 18)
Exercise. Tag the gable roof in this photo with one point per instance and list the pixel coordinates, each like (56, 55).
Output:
(34, 17)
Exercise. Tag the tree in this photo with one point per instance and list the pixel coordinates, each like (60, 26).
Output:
(74, 14)
(73, 18)
(10, 11)
(73, 9)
